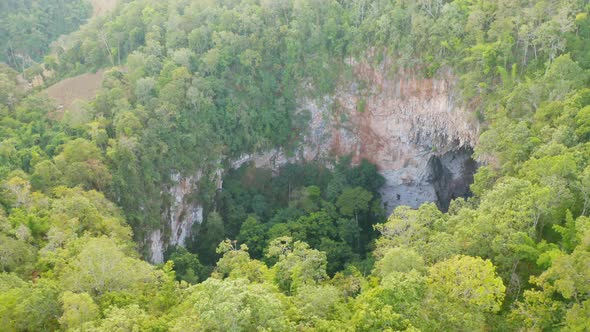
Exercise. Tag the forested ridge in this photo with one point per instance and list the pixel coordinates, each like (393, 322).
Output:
(307, 247)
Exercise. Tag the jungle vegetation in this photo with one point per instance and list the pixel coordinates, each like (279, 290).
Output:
(309, 248)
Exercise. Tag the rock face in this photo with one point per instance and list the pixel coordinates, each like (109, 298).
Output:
(181, 217)
(412, 128)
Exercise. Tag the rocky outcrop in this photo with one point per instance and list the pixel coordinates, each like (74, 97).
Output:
(183, 213)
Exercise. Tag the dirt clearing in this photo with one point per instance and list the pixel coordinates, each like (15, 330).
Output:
(83, 87)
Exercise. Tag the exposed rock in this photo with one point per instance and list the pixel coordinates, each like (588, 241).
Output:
(272, 159)
(412, 128)
(156, 247)
(181, 216)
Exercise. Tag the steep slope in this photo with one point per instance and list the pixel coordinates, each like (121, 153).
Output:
(414, 129)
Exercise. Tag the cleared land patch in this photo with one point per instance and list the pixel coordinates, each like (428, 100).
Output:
(82, 87)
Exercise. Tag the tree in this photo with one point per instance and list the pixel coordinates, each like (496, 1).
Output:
(80, 212)
(46, 175)
(10, 93)
(81, 162)
(16, 256)
(45, 21)
(231, 305)
(127, 124)
(186, 265)
(578, 317)
(38, 307)
(19, 189)
(563, 292)
(372, 311)
(129, 318)
(309, 199)
(236, 264)
(353, 201)
(460, 291)
(253, 234)
(101, 266)
(583, 123)
(297, 264)
(421, 230)
(145, 90)
(338, 254)
(315, 303)
(312, 228)
(470, 280)
(398, 259)
(509, 214)
(78, 309)
(212, 234)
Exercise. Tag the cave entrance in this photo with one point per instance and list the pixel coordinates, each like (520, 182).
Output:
(451, 174)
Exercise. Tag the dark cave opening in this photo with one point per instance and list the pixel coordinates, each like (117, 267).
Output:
(451, 175)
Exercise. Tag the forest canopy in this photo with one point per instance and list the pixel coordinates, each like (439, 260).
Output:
(307, 247)
(28, 27)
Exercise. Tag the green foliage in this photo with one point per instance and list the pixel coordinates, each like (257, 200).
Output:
(16, 256)
(28, 27)
(30, 307)
(398, 259)
(213, 234)
(253, 234)
(100, 266)
(187, 266)
(81, 163)
(10, 91)
(353, 201)
(297, 265)
(231, 305)
(78, 309)
(201, 82)
(468, 279)
(129, 318)
(236, 263)
(265, 207)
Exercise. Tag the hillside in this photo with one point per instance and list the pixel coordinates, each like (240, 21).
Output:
(308, 165)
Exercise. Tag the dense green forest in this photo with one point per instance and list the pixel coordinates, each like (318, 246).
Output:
(307, 248)
(28, 27)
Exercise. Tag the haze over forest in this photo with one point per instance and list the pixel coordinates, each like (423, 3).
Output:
(294, 165)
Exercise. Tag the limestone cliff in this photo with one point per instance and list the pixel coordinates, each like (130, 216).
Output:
(412, 128)
(183, 213)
